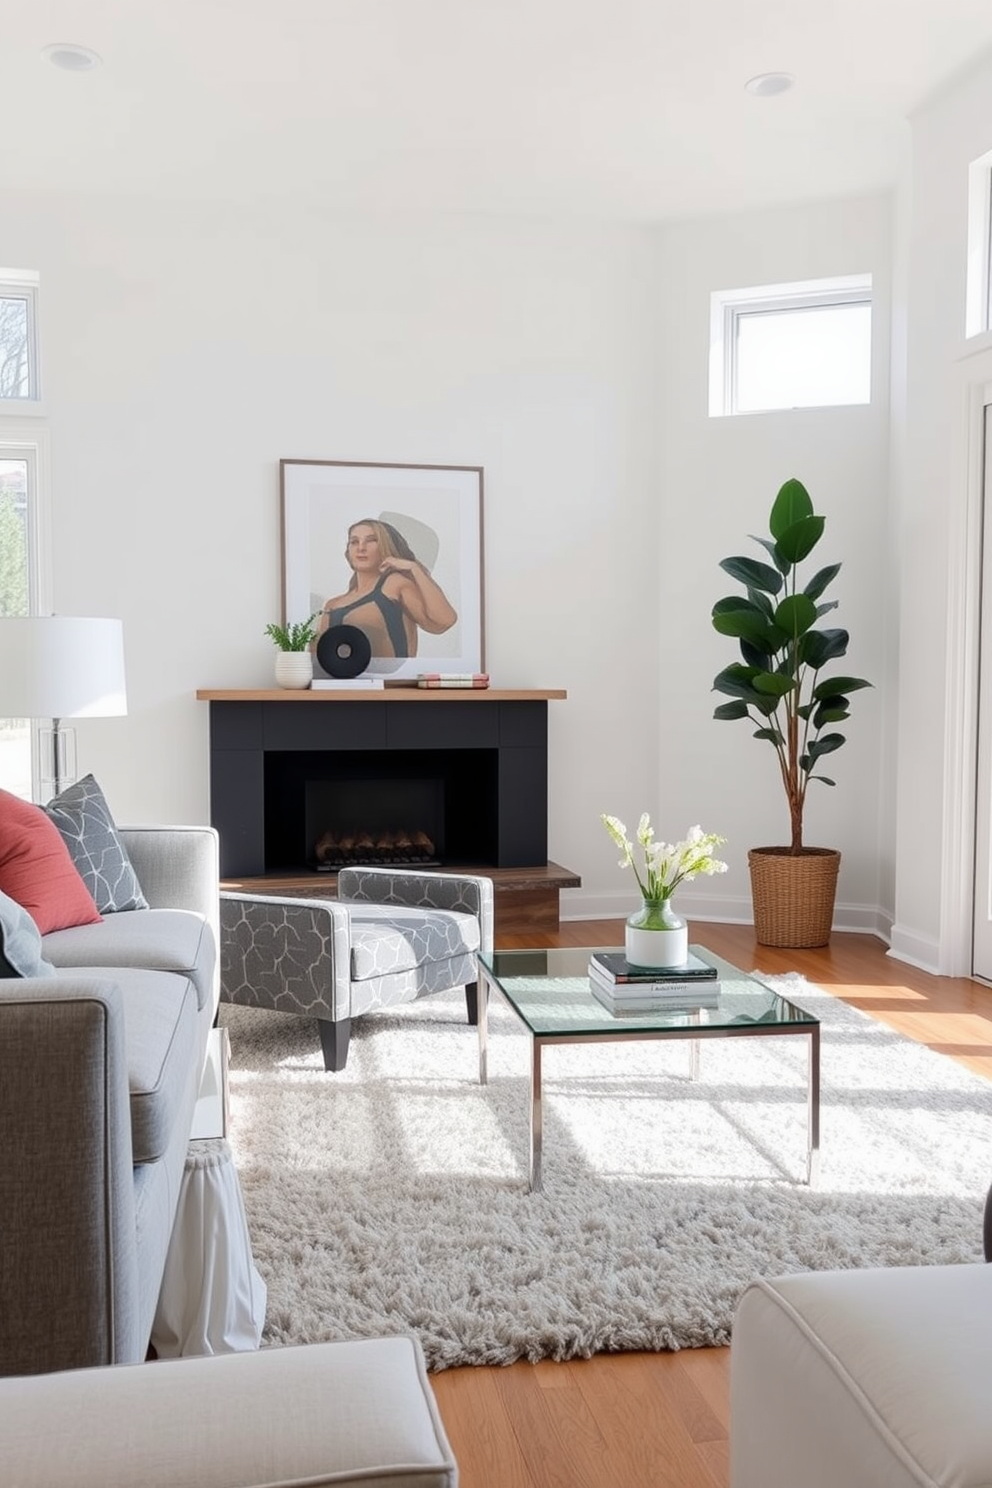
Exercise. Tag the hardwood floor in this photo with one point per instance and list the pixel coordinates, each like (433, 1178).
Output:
(662, 1420)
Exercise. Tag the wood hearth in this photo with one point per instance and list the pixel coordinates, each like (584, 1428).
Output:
(466, 772)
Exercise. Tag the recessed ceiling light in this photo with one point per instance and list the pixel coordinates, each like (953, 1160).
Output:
(767, 84)
(70, 57)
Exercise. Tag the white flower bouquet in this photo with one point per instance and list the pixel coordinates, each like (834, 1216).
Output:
(666, 865)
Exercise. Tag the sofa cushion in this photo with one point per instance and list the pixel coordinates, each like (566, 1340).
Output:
(83, 818)
(160, 1039)
(390, 938)
(157, 939)
(36, 869)
(20, 942)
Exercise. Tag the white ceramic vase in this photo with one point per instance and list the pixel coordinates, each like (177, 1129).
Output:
(655, 937)
(294, 669)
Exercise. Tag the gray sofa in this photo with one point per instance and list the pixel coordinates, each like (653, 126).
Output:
(100, 1069)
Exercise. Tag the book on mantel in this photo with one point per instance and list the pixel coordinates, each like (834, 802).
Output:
(453, 679)
(686, 999)
(614, 967)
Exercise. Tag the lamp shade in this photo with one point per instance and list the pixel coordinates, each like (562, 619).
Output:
(61, 666)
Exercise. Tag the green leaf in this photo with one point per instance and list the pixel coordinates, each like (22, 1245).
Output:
(736, 681)
(795, 615)
(761, 602)
(799, 540)
(838, 687)
(773, 735)
(736, 616)
(820, 580)
(817, 647)
(773, 684)
(825, 745)
(791, 504)
(754, 575)
(735, 709)
(830, 712)
(805, 710)
(823, 779)
(824, 609)
(755, 656)
(769, 547)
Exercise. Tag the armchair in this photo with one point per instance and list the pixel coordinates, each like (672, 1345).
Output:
(390, 937)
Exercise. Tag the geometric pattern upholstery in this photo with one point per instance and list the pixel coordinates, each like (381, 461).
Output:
(390, 937)
(89, 832)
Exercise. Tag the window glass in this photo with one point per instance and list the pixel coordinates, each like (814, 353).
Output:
(15, 347)
(15, 733)
(785, 346)
(810, 358)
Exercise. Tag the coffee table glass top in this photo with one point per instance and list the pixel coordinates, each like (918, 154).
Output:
(550, 991)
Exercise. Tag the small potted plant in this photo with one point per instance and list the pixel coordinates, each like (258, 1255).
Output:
(294, 662)
(779, 687)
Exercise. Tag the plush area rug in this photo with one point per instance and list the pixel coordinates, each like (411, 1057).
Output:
(392, 1198)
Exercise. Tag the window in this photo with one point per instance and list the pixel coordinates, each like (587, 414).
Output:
(17, 486)
(784, 346)
(978, 307)
(24, 583)
(18, 338)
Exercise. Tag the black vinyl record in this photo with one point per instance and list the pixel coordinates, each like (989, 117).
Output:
(344, 651)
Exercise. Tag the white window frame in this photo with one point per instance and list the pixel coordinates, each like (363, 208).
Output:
(729, 306)
(29, 442)
(978, 294)
(23, 283)
(23, 440)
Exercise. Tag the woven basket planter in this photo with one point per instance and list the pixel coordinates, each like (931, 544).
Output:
(793, 897)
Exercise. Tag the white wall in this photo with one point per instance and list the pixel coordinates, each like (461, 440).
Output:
(935, 800)
(187, 350)
(718, 480)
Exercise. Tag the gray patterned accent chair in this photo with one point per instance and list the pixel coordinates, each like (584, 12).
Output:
(390, 937)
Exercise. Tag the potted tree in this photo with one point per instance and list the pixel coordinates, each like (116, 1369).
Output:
(778, 686)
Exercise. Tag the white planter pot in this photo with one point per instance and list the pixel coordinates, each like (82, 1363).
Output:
(294, 669)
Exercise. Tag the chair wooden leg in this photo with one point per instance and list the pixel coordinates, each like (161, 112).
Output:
(472, 1002)
(334, 1042)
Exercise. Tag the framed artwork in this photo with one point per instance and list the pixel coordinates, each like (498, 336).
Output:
(392, 550)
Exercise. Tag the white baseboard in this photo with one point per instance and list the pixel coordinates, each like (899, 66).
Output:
(723, 909)
(921, 951)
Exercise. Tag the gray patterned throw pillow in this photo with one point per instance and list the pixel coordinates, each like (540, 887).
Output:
(89, 832)
(20, 943)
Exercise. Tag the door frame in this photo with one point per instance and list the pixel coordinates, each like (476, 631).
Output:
(964, 619)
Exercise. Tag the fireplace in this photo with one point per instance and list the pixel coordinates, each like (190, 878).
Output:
(313, 787)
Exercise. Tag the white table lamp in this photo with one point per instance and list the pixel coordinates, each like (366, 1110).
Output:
(61, 666)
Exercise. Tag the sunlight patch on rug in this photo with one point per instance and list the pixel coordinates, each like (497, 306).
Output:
(392, 1197)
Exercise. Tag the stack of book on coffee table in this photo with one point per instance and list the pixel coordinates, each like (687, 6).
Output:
(623, 988)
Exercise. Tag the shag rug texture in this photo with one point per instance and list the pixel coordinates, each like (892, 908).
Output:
(392, 1197)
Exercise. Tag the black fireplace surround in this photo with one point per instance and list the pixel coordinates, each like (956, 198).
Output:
(470, 779)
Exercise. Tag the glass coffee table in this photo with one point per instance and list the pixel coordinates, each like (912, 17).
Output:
(549, 992)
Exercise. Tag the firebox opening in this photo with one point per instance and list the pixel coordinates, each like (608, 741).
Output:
(374, 821)
(313, 799)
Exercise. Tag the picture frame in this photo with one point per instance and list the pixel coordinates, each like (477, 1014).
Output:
(393, 550)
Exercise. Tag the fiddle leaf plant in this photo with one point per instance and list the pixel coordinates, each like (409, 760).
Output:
(293, 637)
(778, 685)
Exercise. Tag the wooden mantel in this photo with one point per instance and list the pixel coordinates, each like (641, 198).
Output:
(388, 694)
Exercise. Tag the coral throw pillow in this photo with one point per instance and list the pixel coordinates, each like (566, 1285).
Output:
(37, 871)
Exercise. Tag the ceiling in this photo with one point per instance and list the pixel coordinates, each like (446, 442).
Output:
(622, 109)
